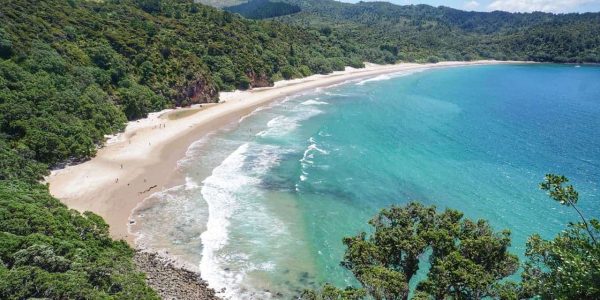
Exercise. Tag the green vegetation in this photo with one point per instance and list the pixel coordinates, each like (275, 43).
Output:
(567, 267)
(263, 9)
(49, 251)
(466, 259)
(423, 33)
(72, 72)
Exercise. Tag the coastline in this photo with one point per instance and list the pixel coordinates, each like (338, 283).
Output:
(143, 159)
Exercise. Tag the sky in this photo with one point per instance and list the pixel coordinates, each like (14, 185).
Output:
(556, 6)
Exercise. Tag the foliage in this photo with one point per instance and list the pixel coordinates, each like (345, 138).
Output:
(329, 292)
(73, 72)
(566, 196)
(49, 251)
(386, 32)
(567, 267)
(466, 258)
(263, 9)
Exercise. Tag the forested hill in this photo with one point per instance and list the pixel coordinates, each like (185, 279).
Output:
(418, 32)
(71, 72)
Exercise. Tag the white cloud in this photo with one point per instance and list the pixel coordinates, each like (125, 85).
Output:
(471, 4)
(537, 5)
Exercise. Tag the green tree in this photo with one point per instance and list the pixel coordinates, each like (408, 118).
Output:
(137, 101)
(567, 267)
(49, 251)
(565, 195)
(466, 258)
(330, 292)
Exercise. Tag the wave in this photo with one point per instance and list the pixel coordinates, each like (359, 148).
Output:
(231, 192)
(314, 102)
(218, 191)
(170, 206)
(307, 158)
(266, 107)
(282, 124)
(336, 94)
(389, 76)
(378, 78)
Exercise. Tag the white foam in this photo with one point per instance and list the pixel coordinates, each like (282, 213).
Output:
(309, 155)
(335, 94)
(217, 191)
(378, 78)
(282, 124)
(229, 193)
(190, 184)
(389, 76)
(192, 151)
(314, 102)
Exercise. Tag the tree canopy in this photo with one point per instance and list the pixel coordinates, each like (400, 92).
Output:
(50, 251)
(427, 34)
(467, 259)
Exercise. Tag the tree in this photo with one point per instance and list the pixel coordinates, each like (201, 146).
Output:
(472, 265)
(137, 101)
(566, 196)
(567, 267)
(49, 251)
(6, 46)
(467, 259)
(330, 292)
(151, 6)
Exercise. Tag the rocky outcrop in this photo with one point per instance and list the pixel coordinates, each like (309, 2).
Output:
(259, 80)
(170, 280)
(200, 90)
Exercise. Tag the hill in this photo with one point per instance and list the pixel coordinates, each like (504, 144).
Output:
(263, 9)
(74, 71)
(423, 32)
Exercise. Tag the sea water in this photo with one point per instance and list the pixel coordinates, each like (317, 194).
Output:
(268, 200)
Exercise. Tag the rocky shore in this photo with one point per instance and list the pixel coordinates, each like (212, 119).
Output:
(172, 280)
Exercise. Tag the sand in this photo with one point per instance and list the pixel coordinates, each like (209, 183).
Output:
(143, 159)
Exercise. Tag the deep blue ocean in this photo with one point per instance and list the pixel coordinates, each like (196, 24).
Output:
(268, 200)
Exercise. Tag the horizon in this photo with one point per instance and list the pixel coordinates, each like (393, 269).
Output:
(551, 6)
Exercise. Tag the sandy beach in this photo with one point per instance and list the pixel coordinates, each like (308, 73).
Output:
(143, 159)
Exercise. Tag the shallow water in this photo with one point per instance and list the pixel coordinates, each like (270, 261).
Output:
(267, 201)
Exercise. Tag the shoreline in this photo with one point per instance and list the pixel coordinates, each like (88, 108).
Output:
(143, 159)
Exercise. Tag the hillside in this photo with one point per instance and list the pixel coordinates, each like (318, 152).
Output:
(74, 71)
(221, 3)
(422, 32)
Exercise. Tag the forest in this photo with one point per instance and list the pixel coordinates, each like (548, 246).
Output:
(425, 33)
(74, 71)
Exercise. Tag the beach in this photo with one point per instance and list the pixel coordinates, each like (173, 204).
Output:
(143, 159)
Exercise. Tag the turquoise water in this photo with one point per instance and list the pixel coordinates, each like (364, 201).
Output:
(268, 200)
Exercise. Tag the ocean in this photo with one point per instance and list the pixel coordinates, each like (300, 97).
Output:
(268, 200)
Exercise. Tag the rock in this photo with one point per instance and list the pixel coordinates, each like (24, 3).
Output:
(197, 91)
(171, 281)
(259, 80)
